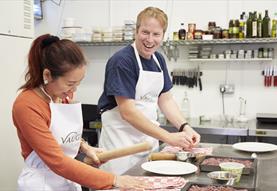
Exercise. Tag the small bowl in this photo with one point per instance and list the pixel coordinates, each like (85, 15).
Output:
(222, 177)
(185, 156)
(233, 167)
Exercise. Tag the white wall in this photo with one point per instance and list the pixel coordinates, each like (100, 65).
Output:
(16, 32)
(245, 75)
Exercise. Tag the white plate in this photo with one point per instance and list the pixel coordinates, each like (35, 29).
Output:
(255, 147)
(169, 167)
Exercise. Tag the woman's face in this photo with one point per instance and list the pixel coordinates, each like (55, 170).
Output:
(149, 37)
(64, 86)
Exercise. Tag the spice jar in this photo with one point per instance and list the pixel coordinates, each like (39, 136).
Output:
(225, 33)
(191, 30)
(198, 34)
(211, 25)
(217, 33)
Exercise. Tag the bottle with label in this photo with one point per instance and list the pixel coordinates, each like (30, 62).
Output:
(254, 25)
(241, 26)
(182, 32)
(185, 107)
(231, 27)
(259, 26)
(249, 26)
(266, 25)
(274, 26)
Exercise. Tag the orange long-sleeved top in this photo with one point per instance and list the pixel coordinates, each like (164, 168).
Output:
(31, 116)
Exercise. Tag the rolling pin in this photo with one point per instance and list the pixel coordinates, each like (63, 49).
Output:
(162, 156)
(181, 156)
(121, 152)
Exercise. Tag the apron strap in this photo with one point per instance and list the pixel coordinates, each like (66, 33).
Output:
(43, 90)
(139, 61)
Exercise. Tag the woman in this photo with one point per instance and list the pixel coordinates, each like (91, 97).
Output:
(49, 123)
(136, 83)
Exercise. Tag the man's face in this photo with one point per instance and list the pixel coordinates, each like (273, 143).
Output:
(149, 37)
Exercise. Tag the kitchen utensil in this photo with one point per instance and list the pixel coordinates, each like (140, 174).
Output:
(222, 177)
(121, 152)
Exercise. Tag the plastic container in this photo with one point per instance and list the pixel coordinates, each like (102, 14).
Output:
(233, 167)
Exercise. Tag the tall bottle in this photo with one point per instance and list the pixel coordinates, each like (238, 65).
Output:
(254, 25)
(182, 32)
(259, 26)
(274, 26)
(249, 26)
(242, 26)
(266, 25)
(185, 106)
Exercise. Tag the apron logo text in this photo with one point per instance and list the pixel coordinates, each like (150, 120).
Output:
(71, 137)
(149, 97)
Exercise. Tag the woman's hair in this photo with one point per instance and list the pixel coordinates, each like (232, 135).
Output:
(152, 12)
(49, 52)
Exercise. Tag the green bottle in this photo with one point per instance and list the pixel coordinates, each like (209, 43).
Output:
(266, 25)
(259, 26)
(241, 26)
(249, 26)
(254, 25)
(274, 26)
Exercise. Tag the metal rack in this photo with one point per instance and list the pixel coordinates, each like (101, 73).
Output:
(112, 43)
(188, 42)
(229, 60)
(225, 41)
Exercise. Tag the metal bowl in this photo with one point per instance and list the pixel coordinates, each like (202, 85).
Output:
(222, 177)
(185, 156)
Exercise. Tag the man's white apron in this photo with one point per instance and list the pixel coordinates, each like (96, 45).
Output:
(117, 133)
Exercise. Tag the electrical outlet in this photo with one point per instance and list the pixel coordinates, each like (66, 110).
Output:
(227, 88)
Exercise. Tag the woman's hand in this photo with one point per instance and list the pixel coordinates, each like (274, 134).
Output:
(130, 182)
(91, 154)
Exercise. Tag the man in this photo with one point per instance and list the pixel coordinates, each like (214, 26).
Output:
(136, 83)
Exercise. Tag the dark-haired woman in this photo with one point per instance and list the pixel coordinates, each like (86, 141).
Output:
(49, 123)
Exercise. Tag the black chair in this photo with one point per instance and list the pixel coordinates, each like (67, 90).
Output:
(90, 114)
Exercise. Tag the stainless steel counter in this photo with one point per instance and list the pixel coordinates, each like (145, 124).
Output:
(265, 175)
(250, 128)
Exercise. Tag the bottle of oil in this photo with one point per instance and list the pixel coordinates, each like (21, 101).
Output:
(266, 25)
(241, 26)
(182, 32)
(254, 25)
(259, 26)
(249, 26)
(274, 26)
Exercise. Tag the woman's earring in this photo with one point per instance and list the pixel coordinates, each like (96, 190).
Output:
(45, 82)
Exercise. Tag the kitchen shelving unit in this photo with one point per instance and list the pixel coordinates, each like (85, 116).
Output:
(189, 42)
(229, 60)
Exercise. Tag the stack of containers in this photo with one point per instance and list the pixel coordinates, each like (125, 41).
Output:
(205, 52)
(117, 33)
(107, 34)
(193, 52)
(129, 30)
(97, 35)
(69, 28)
(82, 35)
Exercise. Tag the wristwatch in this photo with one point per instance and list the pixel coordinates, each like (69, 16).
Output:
(183, 126)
